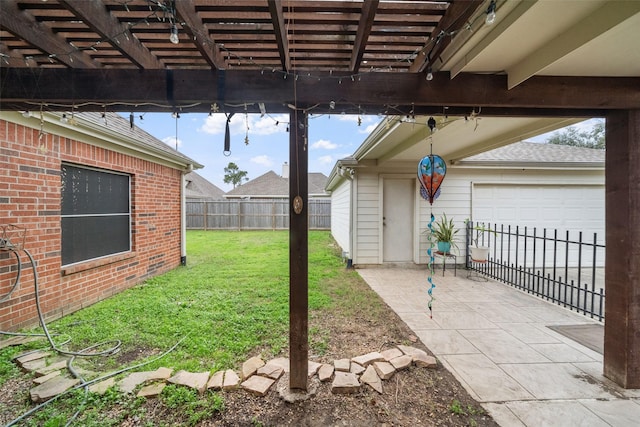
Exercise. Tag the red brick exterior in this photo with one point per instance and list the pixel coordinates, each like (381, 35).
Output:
(30, 192)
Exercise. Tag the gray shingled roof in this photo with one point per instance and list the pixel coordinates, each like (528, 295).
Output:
(199, 188)
(115, 122)
(531, 152)
(272, 184)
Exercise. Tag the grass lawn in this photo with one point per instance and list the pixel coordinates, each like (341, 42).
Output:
(229, 303)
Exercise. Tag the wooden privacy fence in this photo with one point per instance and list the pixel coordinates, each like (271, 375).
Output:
(256, 214)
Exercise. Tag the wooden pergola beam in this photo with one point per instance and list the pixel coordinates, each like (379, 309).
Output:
(456, 18)
(367, 17)
(39, 35)
(395, 92)
(280, 31)
(100, 20)
(207, 48)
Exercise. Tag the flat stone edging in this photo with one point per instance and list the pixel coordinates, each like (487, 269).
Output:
(256, 376)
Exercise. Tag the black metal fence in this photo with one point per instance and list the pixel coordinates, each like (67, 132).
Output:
(558, 267)
(253, 214)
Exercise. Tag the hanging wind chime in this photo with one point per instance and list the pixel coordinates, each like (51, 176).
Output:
(431, 172)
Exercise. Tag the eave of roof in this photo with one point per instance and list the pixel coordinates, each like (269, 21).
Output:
(90, 131)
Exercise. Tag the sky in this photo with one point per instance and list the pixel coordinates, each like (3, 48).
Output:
(201, 137)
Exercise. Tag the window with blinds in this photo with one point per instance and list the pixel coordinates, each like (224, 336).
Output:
(96, 213)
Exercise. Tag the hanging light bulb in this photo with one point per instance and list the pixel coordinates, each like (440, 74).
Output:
(431, 123)
(174, 34)
(491, 13)
(429, 74)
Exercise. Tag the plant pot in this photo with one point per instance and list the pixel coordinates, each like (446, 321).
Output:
(479, 253)
(444, 247)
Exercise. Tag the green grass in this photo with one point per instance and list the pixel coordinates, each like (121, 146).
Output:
(231, 302)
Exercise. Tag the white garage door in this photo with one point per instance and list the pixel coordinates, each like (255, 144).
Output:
(579, 208)
(563, 207)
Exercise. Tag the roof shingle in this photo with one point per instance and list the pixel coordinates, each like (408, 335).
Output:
(271, 184)
(531, 152)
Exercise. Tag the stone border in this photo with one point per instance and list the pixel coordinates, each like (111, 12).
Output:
(256, 376)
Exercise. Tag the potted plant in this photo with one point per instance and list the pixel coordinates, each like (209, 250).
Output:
(444, 231)
(479, 253)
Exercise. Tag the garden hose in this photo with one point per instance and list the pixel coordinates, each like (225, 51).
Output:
(15, 285)
(85, 384)
(86, 352)
(6, 244)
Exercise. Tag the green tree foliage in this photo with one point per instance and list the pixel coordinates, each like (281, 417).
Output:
(233, 175)
(593, 138)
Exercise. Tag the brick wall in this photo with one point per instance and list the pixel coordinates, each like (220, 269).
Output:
(30, 189)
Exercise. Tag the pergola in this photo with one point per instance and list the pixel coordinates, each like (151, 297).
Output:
(506, 58)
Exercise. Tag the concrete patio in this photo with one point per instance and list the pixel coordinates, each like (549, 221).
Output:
(496, 340)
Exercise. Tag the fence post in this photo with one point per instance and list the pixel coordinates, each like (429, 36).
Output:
(205, 220)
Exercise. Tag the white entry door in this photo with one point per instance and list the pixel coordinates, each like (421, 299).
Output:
(397, 195)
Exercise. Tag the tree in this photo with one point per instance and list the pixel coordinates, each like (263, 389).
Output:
(233, 175)
(593, 138)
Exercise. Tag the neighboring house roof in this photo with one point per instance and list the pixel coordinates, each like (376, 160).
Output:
(317, 181)
(271, 184)
(108, 130)
(527, 153)
(199, 188)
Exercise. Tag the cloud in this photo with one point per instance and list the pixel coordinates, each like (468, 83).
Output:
(325, 160)
(369, 128)
(324, 144)
(171, 141)
(215, 123)
(263, 160)
(347, 117)
(267, 125)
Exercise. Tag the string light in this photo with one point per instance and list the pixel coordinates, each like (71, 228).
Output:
(163, 11)
(491, 13)
(432, 124)
(429, 74)
(173, 36)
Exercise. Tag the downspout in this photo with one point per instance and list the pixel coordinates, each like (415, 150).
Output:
(352, 224)
(183, 215)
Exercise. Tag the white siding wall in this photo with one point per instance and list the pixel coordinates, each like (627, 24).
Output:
(455, 200)
(368, 209)
(341, 214)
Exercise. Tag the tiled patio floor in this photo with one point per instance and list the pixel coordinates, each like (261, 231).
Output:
(496, 341)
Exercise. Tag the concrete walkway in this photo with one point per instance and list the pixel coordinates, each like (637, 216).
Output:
(496, 341)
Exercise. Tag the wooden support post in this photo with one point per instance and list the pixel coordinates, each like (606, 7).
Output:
(298, 250)
(622, 263)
